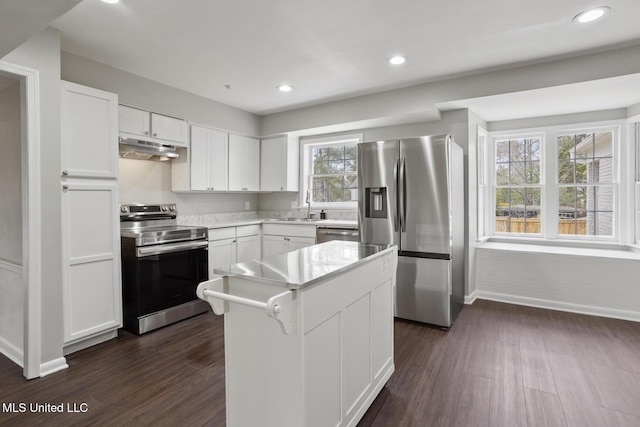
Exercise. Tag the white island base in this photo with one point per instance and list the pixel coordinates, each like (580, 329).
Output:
(326, 352)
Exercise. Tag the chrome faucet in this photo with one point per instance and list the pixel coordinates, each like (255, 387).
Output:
(308, 202)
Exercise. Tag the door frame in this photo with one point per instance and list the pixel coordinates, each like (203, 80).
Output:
(31, 213)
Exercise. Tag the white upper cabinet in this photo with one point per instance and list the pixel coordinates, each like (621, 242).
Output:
(89, 132)
(244, 163)
(279, 164)
(169, 128)
(139, 123)
(209, 159)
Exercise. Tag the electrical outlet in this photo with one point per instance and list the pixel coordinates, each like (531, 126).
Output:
(247, 205)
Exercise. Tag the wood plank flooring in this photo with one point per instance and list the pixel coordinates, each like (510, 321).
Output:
(499, 365)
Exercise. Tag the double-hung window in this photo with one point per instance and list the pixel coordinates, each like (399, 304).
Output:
(557, 183)
(330, 171)
(518, 184)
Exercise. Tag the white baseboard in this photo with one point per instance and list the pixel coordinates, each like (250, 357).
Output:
(89, 342)
(12, 352)
(52, 366)
(469, 299)
(633, 316)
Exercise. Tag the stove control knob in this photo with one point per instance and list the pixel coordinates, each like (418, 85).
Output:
(123, 209)
(172, 208)
(164, 208)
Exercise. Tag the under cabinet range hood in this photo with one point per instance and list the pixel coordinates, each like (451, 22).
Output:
(138, 149)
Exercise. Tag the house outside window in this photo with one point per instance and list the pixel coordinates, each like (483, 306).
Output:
(586, 196)
(330, 171)
(555, 184)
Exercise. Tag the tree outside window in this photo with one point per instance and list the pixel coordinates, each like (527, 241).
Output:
(517, 185)
(585, 179)
(334, 173)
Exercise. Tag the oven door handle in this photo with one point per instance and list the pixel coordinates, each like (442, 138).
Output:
(174, 247)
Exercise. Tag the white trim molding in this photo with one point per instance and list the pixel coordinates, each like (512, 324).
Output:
(559, 306)
(31, 212)
(53, 366)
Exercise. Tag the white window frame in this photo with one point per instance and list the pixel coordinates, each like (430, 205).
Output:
(623, 180)
(307, 144)
(491, 177)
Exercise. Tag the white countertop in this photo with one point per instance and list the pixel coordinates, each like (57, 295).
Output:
(303, 267)
(240, 222)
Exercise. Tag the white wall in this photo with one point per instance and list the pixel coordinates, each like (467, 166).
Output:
(584, 281)
(11, 275)
(42, 53)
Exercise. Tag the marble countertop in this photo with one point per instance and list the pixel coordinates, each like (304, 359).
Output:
(240, 222)
(306, 266)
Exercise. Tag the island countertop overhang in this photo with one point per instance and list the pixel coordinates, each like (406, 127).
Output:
(306, 266)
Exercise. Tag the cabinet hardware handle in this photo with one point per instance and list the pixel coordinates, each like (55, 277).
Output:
(65, 187)
(155, 134)
(65, 172)
(146, 132)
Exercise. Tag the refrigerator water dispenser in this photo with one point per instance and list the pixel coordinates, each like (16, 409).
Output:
(376, 202)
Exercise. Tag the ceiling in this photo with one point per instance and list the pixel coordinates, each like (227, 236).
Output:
(335, 49)
(20, 19)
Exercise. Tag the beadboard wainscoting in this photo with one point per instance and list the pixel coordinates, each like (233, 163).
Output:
(599, 282)
(11, 311)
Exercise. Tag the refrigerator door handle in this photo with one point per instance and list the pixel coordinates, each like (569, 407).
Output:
(396, 190)
(402, 196)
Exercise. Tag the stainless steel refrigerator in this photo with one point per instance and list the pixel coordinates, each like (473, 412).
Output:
(411, 194)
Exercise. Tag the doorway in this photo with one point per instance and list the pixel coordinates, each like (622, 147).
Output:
(20, 262)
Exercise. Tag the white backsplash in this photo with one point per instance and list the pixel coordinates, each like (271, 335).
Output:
(218, 218)
(302, 213)
(230, 217)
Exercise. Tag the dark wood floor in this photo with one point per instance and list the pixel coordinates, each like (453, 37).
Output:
(499, 365)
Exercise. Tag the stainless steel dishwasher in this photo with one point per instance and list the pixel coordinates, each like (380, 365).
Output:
(325, 233)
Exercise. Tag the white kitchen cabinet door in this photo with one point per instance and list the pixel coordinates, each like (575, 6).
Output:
(209, 159)
(222, 253)
(272, 245)
(279, 164)
(92, 290)
(249, 247)
(218, 160)
(169, 128)
(200, 164)
(89, 131)
(133, 120)
(251, 163)
(244, 163)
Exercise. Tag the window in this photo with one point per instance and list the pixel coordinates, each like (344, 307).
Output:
(555, 184)
(518, 189)
(330, 169)
(585, 179)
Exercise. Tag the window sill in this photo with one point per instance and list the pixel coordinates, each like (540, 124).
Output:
(590, 249)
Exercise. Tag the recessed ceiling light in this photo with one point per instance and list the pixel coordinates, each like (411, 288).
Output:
(111, 1)
(285, 88)
(591, 14)
(397, 60)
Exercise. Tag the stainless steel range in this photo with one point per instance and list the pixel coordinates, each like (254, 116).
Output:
(162, 264)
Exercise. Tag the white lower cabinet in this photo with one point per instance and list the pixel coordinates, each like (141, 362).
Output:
(281, 238)
(230, 245)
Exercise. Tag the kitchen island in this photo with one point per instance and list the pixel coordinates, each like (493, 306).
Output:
(308, 333)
